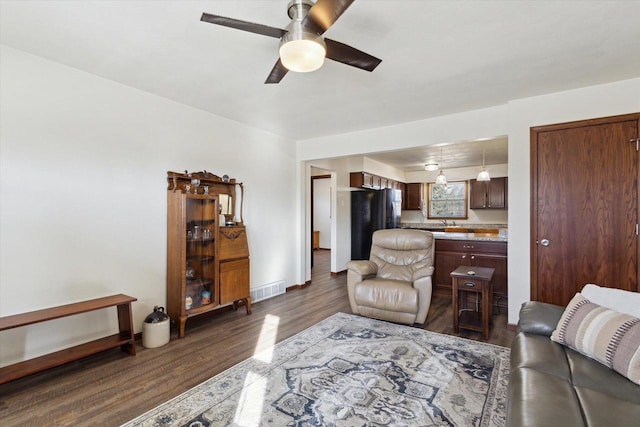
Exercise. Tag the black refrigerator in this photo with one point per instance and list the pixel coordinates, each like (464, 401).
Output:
(372, 210)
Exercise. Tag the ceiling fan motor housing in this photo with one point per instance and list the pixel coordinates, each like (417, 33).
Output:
(298, 9)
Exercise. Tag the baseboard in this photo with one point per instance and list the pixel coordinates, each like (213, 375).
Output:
(511, 327)
(296, 287)
(339, 273)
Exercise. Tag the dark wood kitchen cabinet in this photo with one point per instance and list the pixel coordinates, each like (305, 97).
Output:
(414, 196)
(488, 194)
(364, 180)
(371, 181)
(450, 254)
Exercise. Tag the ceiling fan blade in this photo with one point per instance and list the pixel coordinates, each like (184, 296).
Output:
(323, 14)
(350, 55)
(277, 73)
(251, 27)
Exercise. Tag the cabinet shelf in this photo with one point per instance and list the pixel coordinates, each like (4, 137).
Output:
(208, 240)
(199, 282)
(470, 320)
(201, 258)
(200, 309)
(201, 221)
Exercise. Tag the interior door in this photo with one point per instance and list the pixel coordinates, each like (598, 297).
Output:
(584, 207)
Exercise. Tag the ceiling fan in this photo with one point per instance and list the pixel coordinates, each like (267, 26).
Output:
(302, 47)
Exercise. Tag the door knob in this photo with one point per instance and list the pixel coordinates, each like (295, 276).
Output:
(544, 242)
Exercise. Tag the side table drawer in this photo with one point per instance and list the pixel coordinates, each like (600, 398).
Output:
(469, 285)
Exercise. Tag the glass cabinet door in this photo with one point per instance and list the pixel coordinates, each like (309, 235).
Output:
(200, 268)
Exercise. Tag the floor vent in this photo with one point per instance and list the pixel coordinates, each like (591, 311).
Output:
(268, 291)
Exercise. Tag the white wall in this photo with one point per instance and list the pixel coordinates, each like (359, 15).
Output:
(322, 210)
(512, 119)
(83, 195)
(461, 127)
(380, 169)
(340, 214)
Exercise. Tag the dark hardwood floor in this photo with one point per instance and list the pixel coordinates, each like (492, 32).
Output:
(111, 388)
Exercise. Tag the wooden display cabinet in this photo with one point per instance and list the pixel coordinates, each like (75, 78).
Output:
(207, 261)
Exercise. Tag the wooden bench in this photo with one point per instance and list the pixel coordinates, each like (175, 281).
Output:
(125, 338)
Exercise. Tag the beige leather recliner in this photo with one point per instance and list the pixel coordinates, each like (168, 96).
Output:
(395, 283)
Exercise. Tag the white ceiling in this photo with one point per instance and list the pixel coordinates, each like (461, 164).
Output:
(456, 155)
(438, 57)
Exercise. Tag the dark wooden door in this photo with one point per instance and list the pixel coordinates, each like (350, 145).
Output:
(584, 207)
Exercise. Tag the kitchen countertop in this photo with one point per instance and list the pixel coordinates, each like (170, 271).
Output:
(486, 237)
(437, 226)
(438, 231)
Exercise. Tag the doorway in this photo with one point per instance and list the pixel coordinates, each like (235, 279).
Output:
(321, 221)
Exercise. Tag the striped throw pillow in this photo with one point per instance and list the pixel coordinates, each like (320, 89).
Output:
(610, 337)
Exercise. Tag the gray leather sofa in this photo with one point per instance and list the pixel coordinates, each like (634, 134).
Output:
(552, 385)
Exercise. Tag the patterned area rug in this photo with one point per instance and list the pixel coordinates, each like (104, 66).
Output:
(352, 371)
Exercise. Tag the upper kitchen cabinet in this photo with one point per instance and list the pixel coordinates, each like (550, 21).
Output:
(371, 181)
(364, 180)
(489, 194)
(414, 196)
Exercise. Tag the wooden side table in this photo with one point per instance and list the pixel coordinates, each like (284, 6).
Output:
(477, 280)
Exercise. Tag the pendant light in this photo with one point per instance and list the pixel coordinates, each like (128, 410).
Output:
(441, 179)
(483, 175)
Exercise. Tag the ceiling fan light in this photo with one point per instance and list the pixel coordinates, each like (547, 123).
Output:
(302, 52)
(431, 167)
(484, 175)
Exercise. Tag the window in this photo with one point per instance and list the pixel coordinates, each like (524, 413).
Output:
(447, 201)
